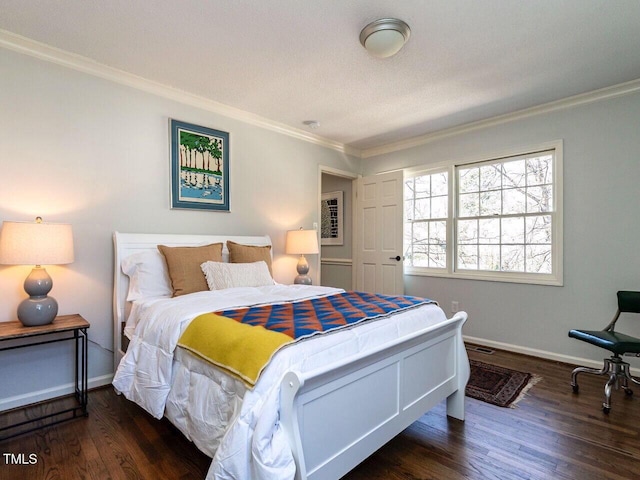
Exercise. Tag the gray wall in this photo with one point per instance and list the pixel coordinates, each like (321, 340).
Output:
(601, 228)
(79, 149)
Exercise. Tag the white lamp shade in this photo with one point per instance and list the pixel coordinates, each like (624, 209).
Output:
(26, 243)
(302, 242)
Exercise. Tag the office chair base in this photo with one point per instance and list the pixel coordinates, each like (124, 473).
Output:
(619, 376)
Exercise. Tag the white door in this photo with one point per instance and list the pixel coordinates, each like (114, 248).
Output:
(379, 214)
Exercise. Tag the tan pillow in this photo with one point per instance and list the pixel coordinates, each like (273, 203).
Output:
(249, 253)
(184, 263)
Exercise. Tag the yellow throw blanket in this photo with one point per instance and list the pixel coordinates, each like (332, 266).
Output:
(239, 349)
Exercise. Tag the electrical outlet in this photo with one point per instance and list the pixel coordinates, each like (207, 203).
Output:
(454, 307)
(315, 225)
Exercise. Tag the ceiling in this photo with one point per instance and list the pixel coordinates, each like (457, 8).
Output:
(288, 61)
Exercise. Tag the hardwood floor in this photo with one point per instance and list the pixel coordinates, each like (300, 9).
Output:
(551, 434)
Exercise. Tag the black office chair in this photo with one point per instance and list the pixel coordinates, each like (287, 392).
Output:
(616, 343)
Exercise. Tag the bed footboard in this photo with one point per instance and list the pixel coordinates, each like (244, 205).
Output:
(337, 416)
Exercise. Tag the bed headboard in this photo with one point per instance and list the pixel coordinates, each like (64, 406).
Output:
(126, 244)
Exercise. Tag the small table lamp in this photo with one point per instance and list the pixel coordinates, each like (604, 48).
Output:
(26, 243)
(302, 242)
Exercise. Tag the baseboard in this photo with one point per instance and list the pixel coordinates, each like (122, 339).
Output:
(533, 352)
(48, 393)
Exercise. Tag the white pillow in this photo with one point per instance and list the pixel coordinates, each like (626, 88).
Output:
(228, 275)
(148, 275)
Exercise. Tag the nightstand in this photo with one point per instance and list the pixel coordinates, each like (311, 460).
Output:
(63, 328)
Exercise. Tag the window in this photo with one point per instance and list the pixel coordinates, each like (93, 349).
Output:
(426, 220)
(498, 219)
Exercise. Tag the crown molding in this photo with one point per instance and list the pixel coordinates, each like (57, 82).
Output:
(26, 46)
(569, 102)
(79, 63)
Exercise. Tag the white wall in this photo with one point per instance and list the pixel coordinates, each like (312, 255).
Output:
(80, 149)
(601, 228)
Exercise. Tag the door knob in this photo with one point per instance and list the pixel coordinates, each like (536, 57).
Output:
(397, 258)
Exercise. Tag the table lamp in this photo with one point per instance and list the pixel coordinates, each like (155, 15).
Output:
(39, 243)
(302, 242)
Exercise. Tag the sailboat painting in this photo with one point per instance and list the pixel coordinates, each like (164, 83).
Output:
(199, 167)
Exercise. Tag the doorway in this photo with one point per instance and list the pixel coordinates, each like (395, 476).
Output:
(336, 228)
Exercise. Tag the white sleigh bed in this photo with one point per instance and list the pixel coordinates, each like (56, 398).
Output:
(332, 414)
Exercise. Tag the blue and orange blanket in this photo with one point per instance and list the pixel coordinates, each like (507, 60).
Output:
(243, 341)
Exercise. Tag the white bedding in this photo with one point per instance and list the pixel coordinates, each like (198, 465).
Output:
(239, 428)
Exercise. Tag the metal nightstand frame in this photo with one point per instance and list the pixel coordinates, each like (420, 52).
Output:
(76, 325)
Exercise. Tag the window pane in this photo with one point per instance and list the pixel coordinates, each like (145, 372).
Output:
(422, 208)
(409, 188)
(539, 170)
(437, 256)
(467, 231)
(512, 258)
(469, 205)
(513, 201)
(438, 232)
(538, 229)
(513, 174)
(408, 210)
(469, 179)
(468, 257)
(439, 184)
(539, 259)
(513, 230)
(422, 186)
(489, 257)
(490, 203)
(490, 177)
(420, 233)
(489, 230)
(408, 238)
(539, 199)
(421, 256)
(439, 207)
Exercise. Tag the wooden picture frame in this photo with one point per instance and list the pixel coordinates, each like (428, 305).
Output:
(199, 167)
(331, 216)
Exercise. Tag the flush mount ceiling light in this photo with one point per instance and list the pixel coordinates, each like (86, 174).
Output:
(385, 37)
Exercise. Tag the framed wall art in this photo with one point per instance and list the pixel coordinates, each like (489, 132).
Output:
(199, 167)
(331, 212)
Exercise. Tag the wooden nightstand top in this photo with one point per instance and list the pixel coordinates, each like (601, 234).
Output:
(62, 323)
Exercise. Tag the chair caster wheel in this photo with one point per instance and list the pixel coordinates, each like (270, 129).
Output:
(575, 388)
(628, 392)
(606, 409)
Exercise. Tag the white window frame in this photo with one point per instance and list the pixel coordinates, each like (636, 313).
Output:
(555, 278)
(447, 219)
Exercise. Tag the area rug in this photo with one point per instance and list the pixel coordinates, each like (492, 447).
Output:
(498, 385)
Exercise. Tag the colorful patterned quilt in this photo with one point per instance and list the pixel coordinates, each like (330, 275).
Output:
(244, 352)
(309, 317)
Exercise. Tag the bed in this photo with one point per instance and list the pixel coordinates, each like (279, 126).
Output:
(319, 408)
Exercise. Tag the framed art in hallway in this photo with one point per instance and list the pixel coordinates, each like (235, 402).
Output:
(199, 167)
(332, 218)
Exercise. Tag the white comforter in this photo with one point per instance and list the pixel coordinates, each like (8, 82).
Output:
(239, 428)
